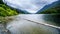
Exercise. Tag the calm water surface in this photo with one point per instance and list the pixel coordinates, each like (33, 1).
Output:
(21, 26)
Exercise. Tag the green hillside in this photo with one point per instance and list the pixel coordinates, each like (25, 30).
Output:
(6, 10)
(53, 10)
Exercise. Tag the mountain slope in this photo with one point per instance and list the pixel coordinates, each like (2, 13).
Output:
(50, 9)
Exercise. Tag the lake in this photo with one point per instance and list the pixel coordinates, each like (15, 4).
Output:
(25, 24)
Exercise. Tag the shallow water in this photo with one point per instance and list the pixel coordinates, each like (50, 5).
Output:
(21, 26)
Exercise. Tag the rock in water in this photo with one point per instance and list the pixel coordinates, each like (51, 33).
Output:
(3, 30)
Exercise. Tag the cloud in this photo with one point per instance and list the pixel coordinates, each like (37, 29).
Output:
(31, 6)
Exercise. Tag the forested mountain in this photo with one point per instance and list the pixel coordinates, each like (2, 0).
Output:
(53, 10)
(7, 10)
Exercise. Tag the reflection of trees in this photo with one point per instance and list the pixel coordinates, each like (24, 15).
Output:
(5, 11)
(53, 18)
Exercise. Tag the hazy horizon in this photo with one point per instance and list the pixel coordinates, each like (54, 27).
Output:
(31, 6)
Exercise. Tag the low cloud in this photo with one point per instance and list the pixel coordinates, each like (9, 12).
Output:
(31, 6)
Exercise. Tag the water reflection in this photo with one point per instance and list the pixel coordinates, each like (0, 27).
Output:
(53, 19)
(21, 26)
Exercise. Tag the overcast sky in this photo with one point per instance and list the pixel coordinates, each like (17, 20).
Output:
(31, 6)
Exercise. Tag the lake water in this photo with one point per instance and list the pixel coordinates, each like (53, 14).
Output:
(21, 26)
(26, 23)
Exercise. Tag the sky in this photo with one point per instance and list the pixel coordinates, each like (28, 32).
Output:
(32, 6)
